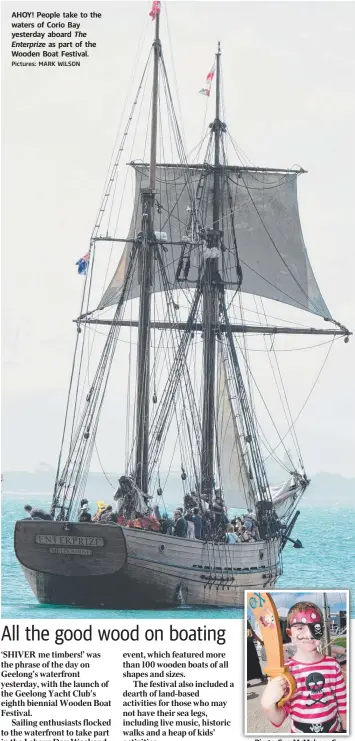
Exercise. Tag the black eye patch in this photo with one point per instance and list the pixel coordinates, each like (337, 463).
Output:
(316, 629)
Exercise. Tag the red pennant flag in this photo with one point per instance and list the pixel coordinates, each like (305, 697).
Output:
(207, 90)
(155, 9)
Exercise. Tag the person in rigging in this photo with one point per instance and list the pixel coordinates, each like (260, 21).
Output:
(36, 513)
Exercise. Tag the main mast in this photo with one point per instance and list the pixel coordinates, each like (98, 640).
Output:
(145, 272)
(210, 290)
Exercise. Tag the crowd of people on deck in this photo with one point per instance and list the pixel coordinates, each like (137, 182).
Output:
(209, 521)
(204, 522)
(193, 525)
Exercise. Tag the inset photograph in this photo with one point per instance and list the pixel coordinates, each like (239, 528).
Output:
(296, 662)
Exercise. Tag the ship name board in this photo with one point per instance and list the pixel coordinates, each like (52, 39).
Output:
(70, 540)
(71, 551)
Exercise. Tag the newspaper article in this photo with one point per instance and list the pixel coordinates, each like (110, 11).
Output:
(119, 679)
(177, 368)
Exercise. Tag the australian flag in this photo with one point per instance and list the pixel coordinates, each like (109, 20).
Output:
(83, 264)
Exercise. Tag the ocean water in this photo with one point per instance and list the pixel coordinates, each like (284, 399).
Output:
(326, 561)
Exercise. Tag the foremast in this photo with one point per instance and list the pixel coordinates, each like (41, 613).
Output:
(215, 309)
(145, 258)
(211, 288)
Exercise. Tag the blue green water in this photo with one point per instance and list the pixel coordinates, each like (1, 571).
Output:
(327, 561)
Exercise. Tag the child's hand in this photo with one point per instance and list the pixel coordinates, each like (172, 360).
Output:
(275, 690)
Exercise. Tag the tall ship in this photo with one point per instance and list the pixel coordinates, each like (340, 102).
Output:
(204, 235)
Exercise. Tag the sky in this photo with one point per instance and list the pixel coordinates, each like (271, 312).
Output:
(288, 71)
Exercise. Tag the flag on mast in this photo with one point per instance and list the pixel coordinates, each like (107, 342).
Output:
(207, 90)
(155, 9)
(83, 264)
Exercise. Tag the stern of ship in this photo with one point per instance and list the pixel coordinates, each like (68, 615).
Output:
(86, 565)
(71, 563)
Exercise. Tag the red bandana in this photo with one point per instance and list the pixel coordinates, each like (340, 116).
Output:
(310, 616)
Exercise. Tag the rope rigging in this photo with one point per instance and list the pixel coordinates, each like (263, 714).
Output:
(251, 434)
(174, 391)
(86, 294)
(192, 450)
(80, 451)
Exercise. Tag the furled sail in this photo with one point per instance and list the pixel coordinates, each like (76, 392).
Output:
(235, 480)
(260, 219)
(285, 495)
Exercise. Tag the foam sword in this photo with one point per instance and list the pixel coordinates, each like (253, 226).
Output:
(264, 610)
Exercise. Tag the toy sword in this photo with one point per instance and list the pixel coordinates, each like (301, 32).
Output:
(264, 610)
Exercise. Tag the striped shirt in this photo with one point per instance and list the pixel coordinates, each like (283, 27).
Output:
(320, 695)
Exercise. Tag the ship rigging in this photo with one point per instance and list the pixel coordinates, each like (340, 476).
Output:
(201, 234)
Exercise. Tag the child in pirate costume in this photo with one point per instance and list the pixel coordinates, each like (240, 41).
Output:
(319, 703)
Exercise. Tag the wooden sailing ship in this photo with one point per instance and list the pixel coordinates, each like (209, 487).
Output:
(210, 231)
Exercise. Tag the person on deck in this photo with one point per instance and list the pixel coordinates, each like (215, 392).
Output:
(84, 515)
(108, 516)
(156, 512)
(190, 501)
(205, 504)
(101, 506)
(218, 508)
(238, 525)
(245, 535)
(206, 527)
(36, 513)
(197, 522)
(249, 522)
(180, 525)
(166, 524)
(231, 537)
(190, 526)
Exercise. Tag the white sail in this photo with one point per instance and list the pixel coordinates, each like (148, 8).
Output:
(235, 481)
(260, 209)
(284, 495)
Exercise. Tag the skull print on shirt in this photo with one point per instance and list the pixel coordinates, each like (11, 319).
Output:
(315, 685)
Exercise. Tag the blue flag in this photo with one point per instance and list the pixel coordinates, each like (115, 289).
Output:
(83, 264)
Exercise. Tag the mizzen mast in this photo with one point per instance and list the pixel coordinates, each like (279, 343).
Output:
(211, 287)
(145, 257)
